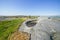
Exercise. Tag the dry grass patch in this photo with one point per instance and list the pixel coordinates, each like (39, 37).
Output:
(19, 36)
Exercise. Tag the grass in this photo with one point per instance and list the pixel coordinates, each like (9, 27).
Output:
(8, 27)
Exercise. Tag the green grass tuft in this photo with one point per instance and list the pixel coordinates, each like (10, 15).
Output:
(7, 27)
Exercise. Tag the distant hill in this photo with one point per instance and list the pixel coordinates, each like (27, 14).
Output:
(21, 16)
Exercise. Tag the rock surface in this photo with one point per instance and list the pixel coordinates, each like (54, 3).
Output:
(45, 29)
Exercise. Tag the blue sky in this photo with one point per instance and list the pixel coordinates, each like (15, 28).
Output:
(30, 7)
